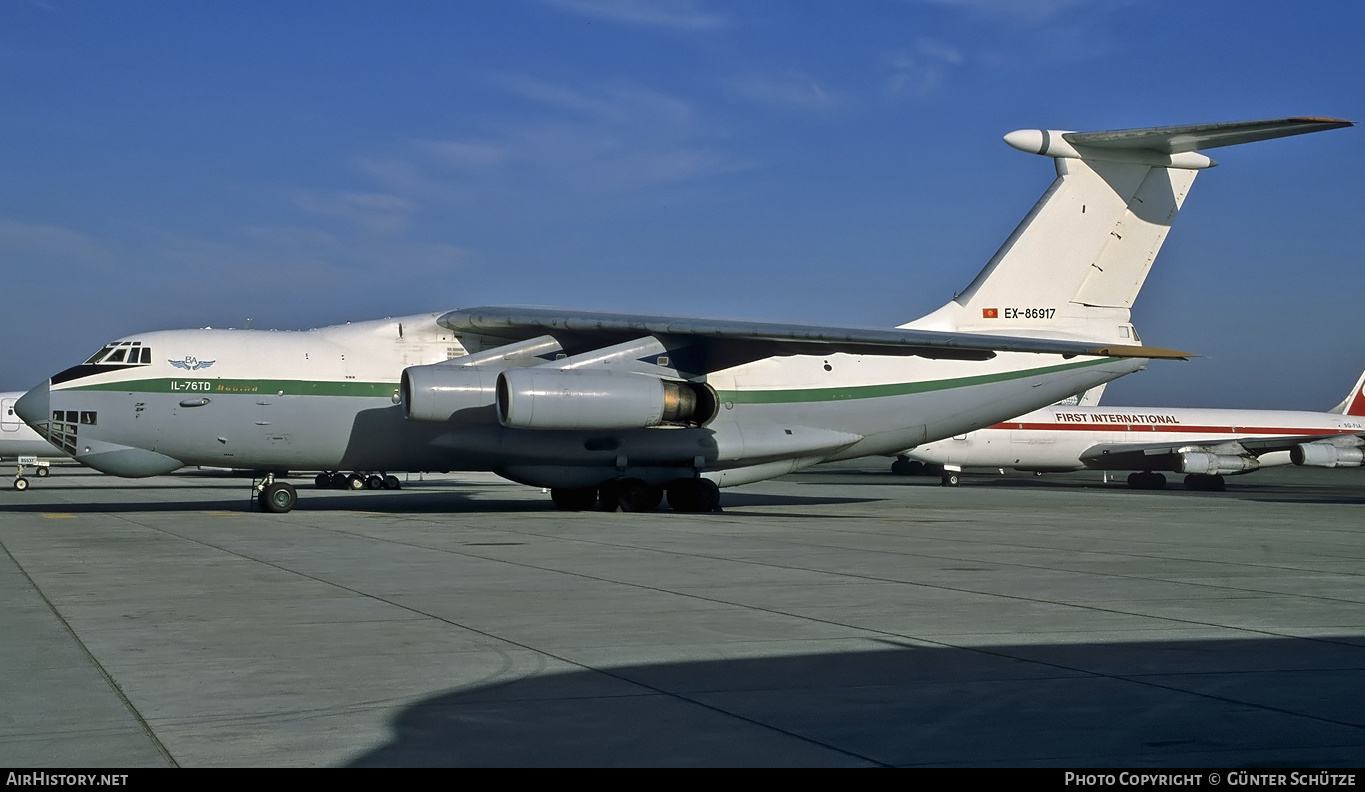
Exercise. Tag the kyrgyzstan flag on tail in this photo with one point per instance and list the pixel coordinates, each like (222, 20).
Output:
(990, 313)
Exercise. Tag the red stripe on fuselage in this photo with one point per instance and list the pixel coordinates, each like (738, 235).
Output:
(1181, 428)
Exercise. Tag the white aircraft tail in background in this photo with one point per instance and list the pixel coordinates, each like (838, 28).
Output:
(21, 444)
(1204, 444)
(1354, 403)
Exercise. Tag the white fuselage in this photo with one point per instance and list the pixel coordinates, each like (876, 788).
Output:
(1054, 438)
(329, 400)
(17, 440)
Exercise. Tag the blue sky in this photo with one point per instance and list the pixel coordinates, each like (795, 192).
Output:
(174, 164)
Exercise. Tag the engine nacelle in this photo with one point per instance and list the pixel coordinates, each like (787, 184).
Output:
(1214, 464)
(1325, 455)
(440, 391)
(536, 398)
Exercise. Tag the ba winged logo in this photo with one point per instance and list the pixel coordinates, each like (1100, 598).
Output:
(191, 363)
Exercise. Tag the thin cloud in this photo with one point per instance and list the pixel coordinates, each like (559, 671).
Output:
(1026, 11)
(301, 254)
(616, 103)
(51, 242)
(675, 14)
(375, 213)
(792, 93)
(465, 154)
(608, 138)
(923, 68)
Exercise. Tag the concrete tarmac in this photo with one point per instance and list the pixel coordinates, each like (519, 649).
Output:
(835, 618)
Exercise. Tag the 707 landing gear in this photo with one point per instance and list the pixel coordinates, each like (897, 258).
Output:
(905, 466)
(1146, 480)
(1205, 482)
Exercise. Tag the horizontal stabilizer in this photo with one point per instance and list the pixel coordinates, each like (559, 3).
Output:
(1194, 137)
(1076, 263)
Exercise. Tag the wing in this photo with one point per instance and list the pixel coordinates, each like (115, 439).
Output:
(713, 344)
(180, 364)
(1164, 456)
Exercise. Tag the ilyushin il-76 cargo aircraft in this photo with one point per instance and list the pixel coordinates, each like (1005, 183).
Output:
(622, 410)
(1203, 444)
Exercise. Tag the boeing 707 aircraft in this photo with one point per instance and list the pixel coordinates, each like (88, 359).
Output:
(623, 410)
(1203, 444)
(20, 443)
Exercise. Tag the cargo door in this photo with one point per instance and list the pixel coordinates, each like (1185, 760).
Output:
(9, 422)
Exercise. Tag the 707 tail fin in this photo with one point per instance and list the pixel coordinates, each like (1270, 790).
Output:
(1354, 403)
(1075, 264)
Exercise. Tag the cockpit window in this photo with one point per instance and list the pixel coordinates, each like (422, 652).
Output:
(122, 353)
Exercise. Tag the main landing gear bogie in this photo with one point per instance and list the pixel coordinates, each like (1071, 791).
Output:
(1146, 480)
(1204, 482)
(357, 481)
(633, 495)
(278, 497)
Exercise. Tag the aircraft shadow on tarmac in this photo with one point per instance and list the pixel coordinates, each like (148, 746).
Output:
(1200, 703)
(236, 504)
(444, 499)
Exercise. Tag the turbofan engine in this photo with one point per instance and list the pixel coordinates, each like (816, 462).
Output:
(1202, 462)
(535, 398)
(441, 392)
(1325, 455)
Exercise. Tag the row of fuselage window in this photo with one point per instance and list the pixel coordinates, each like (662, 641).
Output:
(87, 417)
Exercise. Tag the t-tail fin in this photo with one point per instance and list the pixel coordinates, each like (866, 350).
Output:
(1075, 264)
(1354, 403)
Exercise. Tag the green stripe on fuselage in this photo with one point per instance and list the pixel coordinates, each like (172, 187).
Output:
(190, 386)
(208, 387)
(793, 396)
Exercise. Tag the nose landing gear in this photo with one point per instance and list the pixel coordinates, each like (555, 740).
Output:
(276, 497)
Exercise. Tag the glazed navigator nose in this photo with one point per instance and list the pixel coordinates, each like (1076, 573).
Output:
(35, 407)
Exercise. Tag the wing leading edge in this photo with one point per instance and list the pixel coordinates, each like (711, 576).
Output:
(754, 340)
(1163, 456)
